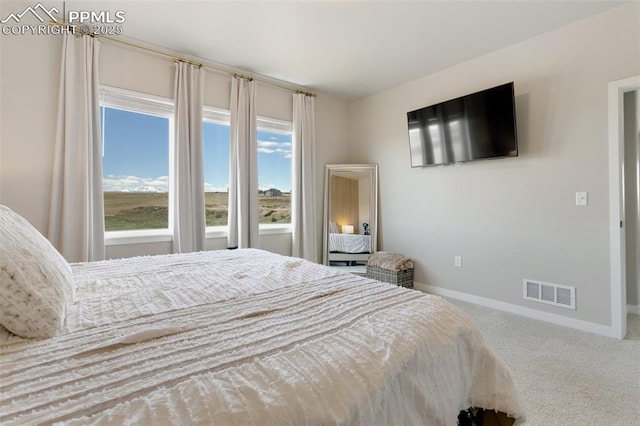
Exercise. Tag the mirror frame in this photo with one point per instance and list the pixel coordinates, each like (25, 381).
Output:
(373, 202)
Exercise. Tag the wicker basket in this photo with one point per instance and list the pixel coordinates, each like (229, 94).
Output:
(402, 278)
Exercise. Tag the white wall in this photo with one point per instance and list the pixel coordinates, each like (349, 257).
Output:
(331, 140)
(510, 218)
(29, 79)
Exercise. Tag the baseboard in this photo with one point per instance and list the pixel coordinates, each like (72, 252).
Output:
(581, 325)
(633, 309)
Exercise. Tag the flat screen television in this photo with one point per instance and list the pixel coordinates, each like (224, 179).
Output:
(473, 127)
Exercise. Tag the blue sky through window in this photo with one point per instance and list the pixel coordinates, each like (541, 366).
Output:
(136, 151)
(274, 160)
(136, 154)
(216, 154)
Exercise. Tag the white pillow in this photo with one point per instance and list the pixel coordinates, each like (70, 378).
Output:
(333, 228)
(36, 283)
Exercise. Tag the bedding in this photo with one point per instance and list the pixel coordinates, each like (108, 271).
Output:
(390, 261)
(36, 284)
(349, 243)
(249, 337)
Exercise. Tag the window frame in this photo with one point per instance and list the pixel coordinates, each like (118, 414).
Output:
(222, 116)
(276, 126)
(141, 103)
(216, 116)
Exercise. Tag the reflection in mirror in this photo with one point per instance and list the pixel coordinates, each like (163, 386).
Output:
(350, 215)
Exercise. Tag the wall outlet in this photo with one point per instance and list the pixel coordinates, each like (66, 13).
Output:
(582, 198)
(457, 261)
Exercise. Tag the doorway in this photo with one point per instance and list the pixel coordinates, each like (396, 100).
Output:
(617, 206)
(631, 172)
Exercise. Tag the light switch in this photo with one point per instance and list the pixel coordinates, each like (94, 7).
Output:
(582, 198)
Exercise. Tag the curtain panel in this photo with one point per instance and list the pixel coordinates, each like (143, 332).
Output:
(303, 206)
(76, 214)
(243, 166)
(187, 173)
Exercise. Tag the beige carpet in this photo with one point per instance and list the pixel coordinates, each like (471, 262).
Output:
(567, 377)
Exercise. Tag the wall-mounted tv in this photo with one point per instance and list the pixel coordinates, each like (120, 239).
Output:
(472, 127)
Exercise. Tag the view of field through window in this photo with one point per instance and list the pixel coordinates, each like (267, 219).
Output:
(136, 170)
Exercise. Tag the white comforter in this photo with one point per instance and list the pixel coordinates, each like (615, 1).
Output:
(349, 243)
(247, 337)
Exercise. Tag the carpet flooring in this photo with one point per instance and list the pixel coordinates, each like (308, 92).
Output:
(566, 377)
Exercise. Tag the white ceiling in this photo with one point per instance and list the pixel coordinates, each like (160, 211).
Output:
(349, 49)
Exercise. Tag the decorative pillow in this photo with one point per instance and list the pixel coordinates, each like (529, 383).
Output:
(36, 283)
(333, 228)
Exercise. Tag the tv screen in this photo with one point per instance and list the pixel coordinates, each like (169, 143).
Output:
(472, 127)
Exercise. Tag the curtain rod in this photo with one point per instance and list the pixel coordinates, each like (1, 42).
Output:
(180, 59)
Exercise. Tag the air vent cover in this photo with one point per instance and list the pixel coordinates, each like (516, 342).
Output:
(551, 294)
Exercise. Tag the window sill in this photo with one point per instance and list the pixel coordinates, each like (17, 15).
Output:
(265, 229)
(280, 228)
(216, 232)
(116, 238)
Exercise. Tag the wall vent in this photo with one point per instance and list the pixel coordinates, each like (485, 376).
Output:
(552, 294)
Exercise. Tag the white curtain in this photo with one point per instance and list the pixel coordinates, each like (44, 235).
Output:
(187, 176)
(303, 206)
(76, 214)
(243, 166)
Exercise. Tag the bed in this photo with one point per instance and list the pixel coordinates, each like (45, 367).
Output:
(236, 337)
(349, 247)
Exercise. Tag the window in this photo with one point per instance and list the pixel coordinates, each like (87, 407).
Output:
(274, 168)
(136, 136)
(215, 131)
(274, 171)
(137, 133)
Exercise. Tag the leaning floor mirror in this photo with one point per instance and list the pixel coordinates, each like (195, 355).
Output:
(350, 215)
